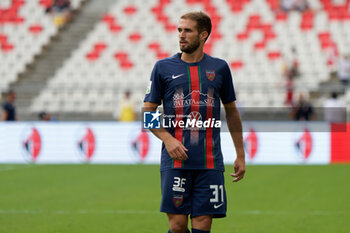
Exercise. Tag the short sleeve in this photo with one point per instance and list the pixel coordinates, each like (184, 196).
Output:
(154, 92)
(227, 92)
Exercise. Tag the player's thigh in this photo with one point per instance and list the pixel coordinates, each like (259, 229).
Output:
(176, 191)
(208, 194)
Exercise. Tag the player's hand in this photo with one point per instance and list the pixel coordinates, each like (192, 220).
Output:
(175, 148)
(239, 167)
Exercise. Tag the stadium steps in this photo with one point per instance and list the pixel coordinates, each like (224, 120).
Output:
(331, 85)
(34, 79)
(325, 88)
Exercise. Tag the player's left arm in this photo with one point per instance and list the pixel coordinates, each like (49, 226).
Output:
(235, 127)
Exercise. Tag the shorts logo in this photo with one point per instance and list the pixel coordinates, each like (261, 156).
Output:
(151, 120)
(210, 74)
(178, 199)
(217, 206)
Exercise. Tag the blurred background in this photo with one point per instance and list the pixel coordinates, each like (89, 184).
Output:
(91, 60)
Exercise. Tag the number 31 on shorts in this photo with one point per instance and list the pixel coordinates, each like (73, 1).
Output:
(218, 191)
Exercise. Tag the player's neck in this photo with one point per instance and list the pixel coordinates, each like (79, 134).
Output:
(196, 56)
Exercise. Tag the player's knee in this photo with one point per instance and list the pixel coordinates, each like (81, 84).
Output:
(202, 222)
(178, 226)
(177, 223)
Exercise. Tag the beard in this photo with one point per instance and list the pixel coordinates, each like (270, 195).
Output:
(190, 48)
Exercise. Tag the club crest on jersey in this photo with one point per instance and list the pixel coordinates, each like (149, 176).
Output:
(178, 199)
(210, 74)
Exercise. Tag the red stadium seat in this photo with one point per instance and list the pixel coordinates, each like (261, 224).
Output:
(130, 10)
(3, 38)
(100, 46)
(108, 18)
(135, 37)
(281, 16)
(92, 56)
(237, 5)
(236, 65)
(7, 47)
(274, 55)
(36, 29)
(124, 61)
(154, 46)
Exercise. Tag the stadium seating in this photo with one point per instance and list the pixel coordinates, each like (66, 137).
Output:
(25, 29)
(346, 98)
(253, 36)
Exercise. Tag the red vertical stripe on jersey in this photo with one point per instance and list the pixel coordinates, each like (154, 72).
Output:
(209, 136)
(194, 100)
(178, 131)
(194, 81)
(194, 88)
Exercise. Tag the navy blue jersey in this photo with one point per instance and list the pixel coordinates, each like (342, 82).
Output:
(192, 90)
(11, 111)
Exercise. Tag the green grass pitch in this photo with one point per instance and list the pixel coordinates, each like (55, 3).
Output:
(125, 199)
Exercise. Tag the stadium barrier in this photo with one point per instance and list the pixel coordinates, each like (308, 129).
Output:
(127, 143)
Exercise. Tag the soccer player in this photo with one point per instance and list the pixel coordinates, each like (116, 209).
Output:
(191, 83)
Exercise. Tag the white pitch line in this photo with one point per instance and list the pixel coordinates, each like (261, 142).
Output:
(147, 212)
(10, 168)
(268, 212)
(7, 168)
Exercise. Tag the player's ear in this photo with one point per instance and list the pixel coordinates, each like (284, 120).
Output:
(203, 35)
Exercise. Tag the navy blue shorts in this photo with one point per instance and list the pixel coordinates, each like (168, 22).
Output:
(193, 192)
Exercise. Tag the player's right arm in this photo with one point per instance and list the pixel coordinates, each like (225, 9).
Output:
(174, 147)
